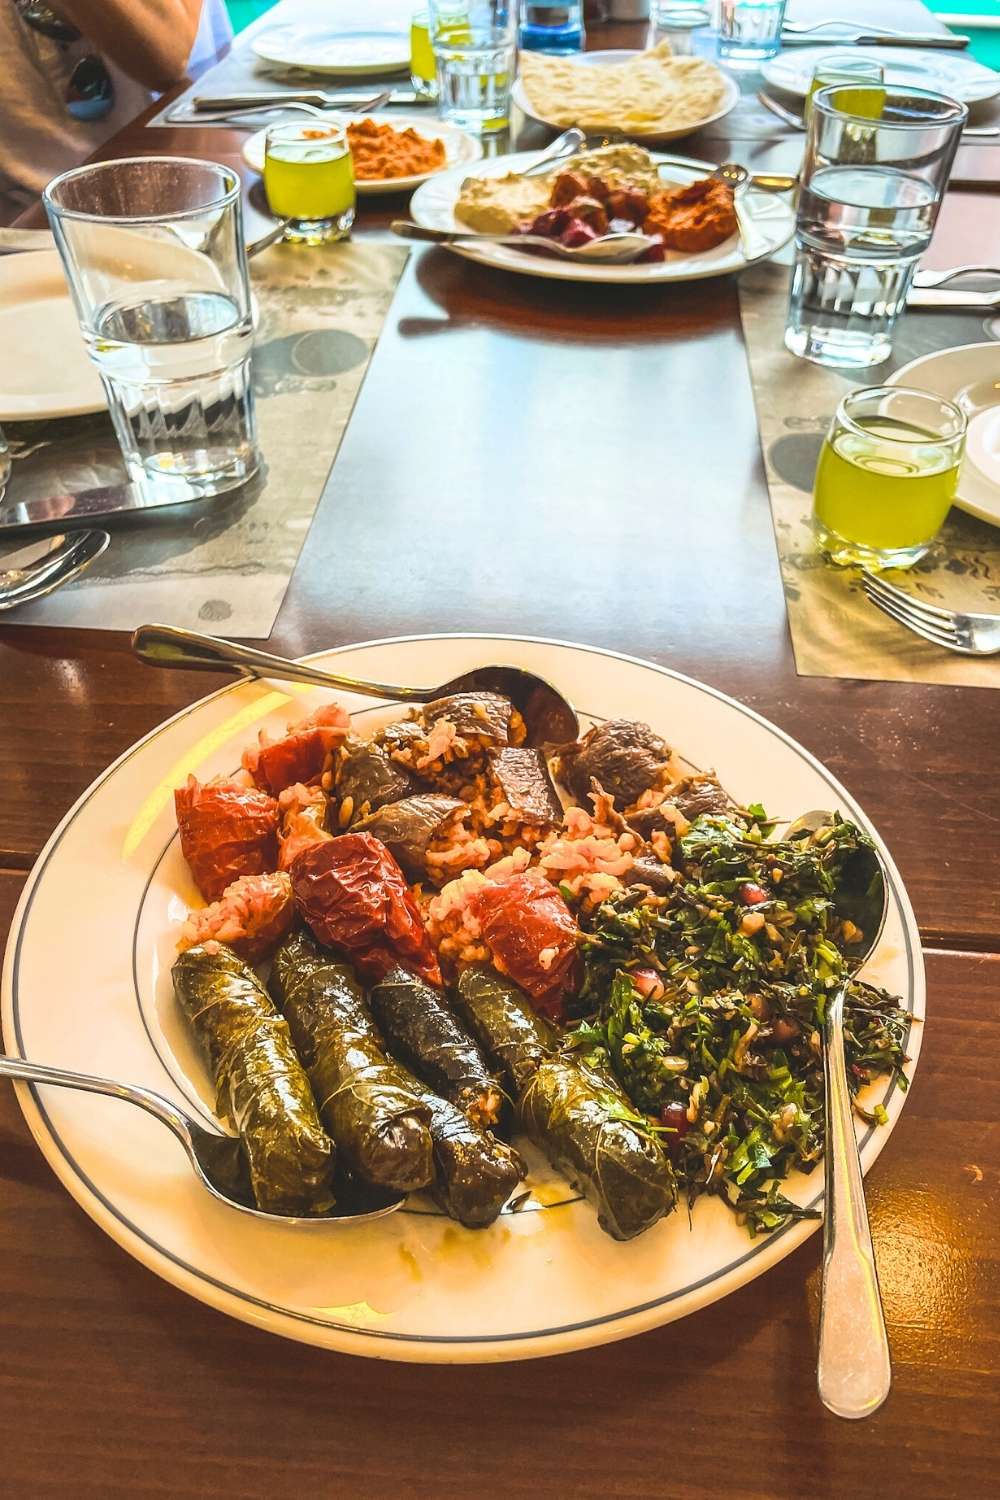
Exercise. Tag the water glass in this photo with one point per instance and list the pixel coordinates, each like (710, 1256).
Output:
(750, 31)
(686, 27)
(309, 180)
(473, 43)
(552, 26)
(423, 69)
(870, 193)
(887, 476)
(154, 255)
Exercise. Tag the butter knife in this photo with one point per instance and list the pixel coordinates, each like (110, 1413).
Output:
(938, 297)
(945, 40)
(104, 503)
(321, 98)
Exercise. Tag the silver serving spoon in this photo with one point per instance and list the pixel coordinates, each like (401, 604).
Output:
(562, 149)
(610, 249)
(548, 715)
(854, 1372)
(218, 1160)
(63, 561)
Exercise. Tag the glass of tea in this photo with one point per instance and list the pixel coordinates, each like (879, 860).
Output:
(309, 180)
(887, 476)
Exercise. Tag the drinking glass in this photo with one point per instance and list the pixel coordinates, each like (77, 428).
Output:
(552, 26)
(869, 198)
(862, 79)
(473, 43)
(750, 31)
(423, 68)
(887, 475)
(154, 255)
(309, 180)
(685, 27)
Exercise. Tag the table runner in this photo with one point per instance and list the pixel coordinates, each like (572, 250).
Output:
(227, 569)
(835, 631)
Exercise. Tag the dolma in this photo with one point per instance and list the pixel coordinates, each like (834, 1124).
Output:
(409, 827)
(502, 1020)
(424, 1033)
(474, 1173)
(261, 1086)
(480, 716)
(368, 1102)
(625, 757)
(367, 780)
(591, 1134)
(523, 780)
(531, 935)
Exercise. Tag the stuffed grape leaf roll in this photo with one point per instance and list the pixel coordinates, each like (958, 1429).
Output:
(504, 1023)
(474, 1173)
(369, 1103)
(424, 1033)
(262, 1088)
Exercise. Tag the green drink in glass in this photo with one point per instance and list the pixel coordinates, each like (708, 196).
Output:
(861, 79)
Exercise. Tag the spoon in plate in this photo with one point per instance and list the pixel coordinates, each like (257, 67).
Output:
(548, 715)
(854, 1372)
(218, 1160)
(65, 559)
(609, 249)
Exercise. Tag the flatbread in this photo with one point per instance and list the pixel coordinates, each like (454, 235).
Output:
(651, 93)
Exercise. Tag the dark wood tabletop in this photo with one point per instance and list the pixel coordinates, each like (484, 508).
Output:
(588, 469)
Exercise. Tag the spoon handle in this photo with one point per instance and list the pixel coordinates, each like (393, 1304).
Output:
(166, 646)
(154, 1104)
(854, 1372)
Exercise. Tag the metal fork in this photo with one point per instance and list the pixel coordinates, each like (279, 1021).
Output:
(968, 634)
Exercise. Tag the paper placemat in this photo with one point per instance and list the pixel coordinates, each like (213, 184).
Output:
(835, 631)
(320, 314)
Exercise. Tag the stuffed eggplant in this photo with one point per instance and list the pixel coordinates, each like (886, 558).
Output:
(424, 1033)
(501, 1019)
(522, 779)
(474, 1173)
(369, 1104)
(485, 718)
(262, 1088)
(590, 1133)
(409, 829)
(368, 778)
(626, 758)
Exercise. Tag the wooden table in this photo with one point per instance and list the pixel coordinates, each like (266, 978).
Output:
(559, 466)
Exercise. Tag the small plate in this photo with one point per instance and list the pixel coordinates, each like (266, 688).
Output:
(606, 59)
(969, 376)
(45, 370)
(459, 147)
(946, 72)
(327, 49)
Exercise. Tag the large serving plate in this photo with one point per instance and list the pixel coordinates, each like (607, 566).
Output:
(519, 95)
(460, 150)
(314, 48)
(773, 221)
(950, 73)
(87, 986)
(45, 370)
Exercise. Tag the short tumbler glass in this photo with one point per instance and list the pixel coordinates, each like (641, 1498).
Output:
(309, 180)
(423, 68)
(473, 42)
(154, 254)
(887, 476)
(750, 31)
(870, 194)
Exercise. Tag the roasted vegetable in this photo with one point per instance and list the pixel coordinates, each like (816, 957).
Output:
(251, 917)
(370, 1106)
(423, 1032)
(261, 1086)
(367, 780)
(301, 754)
(701, 794)
(409, 827)
(626, 758)
(302, 821)
(504, 1023)
(474, 1173)
(532, 936)
(592, 1135)
(354, 896)
(523, 781)
(227, 830)
(481, 716)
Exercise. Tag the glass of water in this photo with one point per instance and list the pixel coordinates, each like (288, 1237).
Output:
(750, 31)
(870, 193)
(154, 255)
(473, 43)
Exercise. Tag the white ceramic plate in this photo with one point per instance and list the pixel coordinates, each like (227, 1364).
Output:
(45, 370)
(603, 59)
(947, 72)
(328, 49)
(969, 376)
(773, 221)
(87, 985)
(460, 149)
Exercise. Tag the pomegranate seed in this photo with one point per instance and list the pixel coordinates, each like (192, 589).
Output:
(752, 895)
(648, 983)
(674, 1116)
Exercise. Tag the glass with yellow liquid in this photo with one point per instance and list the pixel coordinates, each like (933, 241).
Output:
(861, 80)
(423, 68)
(887, 476)
(309, 180)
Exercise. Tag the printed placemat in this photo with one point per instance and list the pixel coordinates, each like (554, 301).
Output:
(320, 314)
(835, 631)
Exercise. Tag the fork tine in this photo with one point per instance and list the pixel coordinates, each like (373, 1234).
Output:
(930, 612)
(948, 642)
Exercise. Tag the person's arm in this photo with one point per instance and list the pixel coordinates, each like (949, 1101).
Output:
(150, 40)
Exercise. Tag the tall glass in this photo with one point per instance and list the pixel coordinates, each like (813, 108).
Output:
(870, 194)
(750, 31)
(473, 43)
(309, 180)
(887, 476)
(154, 255)
(862, 79)
(423, 68)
